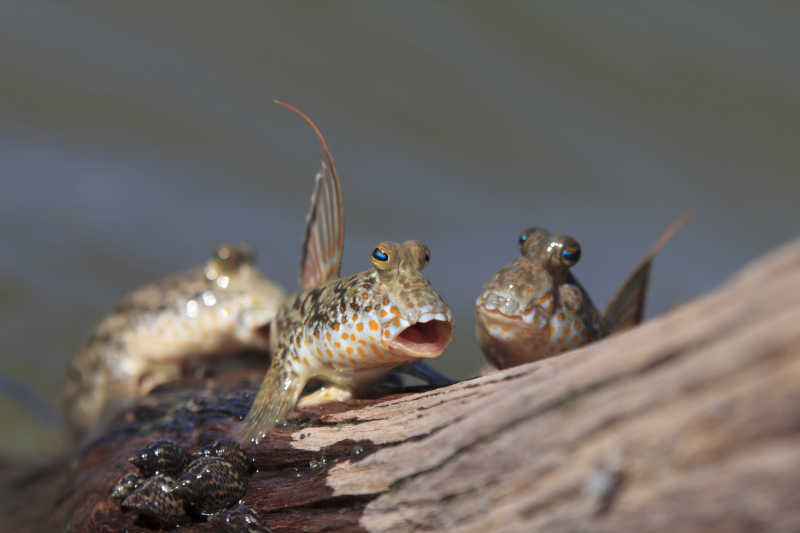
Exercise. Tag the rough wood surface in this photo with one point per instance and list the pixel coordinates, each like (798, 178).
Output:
(687, 423)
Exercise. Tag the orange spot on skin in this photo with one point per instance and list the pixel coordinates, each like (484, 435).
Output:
(544, 298)
(359, 327)
(345, 336)
(386, 333)
(316, 334)
(355, 318)
(383, 313)
(373, 325)
(341, 355)
(353, 361)
(330, 353)
(328, 336)
(576, 325)
(364, 296)
(337, 345)
(361, 352)
(349, 350)
(552, 330)
(294, 357)
(305, 362)
(575, 338)
(375, 350)
(504, 329)
(396, 323)
(335, 326)
(319, 352)
(560, 340)
(362, 342)
(385, 300)
(566, 329)
(560, 317)
(384, 343)
(327, 394)
(395, 311)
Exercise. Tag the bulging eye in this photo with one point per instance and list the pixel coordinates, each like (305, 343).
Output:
(379, 255)
(523, 238)
(570, 255)
(223, 253)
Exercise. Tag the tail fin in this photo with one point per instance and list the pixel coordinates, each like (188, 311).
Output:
(626, 308)
(321, 256)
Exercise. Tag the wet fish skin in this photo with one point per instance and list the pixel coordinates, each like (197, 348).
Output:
(150, 336)
(534, 307)
(351, 332)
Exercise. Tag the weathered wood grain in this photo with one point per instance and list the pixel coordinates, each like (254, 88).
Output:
(689, 422)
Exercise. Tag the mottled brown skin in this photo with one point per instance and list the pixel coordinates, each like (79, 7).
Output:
(155, 331)
(350, 332)
(534, 307)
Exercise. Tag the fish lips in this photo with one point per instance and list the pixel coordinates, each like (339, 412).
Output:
(425, 338)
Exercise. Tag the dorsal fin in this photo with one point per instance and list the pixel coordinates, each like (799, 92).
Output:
(321, 256)
(626, 308)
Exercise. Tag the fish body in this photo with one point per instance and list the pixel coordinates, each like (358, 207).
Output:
(151, 335)
(533, 307)
(350, 332)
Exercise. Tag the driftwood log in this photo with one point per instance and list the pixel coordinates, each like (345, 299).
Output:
(690, 422)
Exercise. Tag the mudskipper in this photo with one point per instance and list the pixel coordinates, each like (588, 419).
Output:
(151, 336)
(347, 332)
(534, 307)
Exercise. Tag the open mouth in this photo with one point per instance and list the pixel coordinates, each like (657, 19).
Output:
(514, 319)
(497, 315)
(423, 339)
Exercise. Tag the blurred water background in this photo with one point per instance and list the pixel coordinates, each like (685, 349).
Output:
(136, 136)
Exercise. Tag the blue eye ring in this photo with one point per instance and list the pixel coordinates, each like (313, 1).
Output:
(522, 239)
(380, 255)
(571, 255)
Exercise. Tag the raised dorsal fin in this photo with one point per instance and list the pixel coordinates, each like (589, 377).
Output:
(626, 308)
(321, 256)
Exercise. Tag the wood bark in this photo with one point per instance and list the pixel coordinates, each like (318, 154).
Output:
(689, 422)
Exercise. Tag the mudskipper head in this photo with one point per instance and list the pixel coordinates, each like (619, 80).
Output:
(414, 319)
(530, 308)
(232, 269)
(227, 261)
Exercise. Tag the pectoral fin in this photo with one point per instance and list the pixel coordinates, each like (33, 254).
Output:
(276, 397)
(626, 308)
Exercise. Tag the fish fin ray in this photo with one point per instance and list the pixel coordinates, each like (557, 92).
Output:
(626, 308)
(321, 255)
(275, 399)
